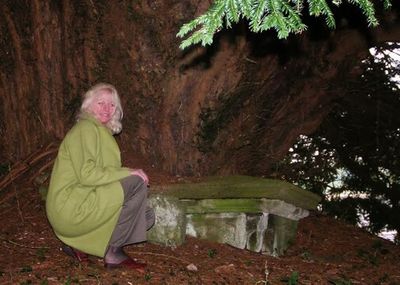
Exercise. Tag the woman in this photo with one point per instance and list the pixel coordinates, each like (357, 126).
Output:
(95, 205)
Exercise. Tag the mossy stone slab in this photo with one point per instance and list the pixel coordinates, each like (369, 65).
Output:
(239, 187)
(249, 206)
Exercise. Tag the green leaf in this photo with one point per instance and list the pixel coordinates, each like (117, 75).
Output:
(294, 278)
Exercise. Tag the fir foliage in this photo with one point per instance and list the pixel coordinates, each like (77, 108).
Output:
(353, 159)
(284, 16)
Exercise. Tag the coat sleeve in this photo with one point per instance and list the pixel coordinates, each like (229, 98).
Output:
(84, 154)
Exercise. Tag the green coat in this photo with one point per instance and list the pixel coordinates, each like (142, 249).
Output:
(85, 196)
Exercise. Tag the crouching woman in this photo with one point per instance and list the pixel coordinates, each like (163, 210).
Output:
(96, 206)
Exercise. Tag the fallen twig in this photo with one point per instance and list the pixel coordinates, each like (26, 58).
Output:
(5, 198)
(23, 166)
(22, 245)
(41, 170)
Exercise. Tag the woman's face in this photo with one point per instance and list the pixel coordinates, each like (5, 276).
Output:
(103, 106)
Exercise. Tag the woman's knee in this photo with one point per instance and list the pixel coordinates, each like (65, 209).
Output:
(133, 186)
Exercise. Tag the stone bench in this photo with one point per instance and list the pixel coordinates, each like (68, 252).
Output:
(251, 213)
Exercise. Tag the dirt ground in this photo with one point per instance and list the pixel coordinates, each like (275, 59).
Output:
(326, 251)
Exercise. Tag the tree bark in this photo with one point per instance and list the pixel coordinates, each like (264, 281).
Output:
(234, 107)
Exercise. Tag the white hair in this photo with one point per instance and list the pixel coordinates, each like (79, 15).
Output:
(114, 124)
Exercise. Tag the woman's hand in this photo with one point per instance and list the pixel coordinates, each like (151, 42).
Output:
(141, 174)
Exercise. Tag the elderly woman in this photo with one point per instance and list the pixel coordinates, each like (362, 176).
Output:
(95, 205)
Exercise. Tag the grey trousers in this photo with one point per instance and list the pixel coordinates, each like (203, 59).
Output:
(136, 217)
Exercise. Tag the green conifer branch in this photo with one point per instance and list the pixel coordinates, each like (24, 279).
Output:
(284, 16)
(279, 22)
(368, 9)
(245, 8)
(320, 7)
(294, 14)
(233, 14)
(257, 15)
(387, 4)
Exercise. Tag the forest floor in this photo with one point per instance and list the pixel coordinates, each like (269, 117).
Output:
(326, 251)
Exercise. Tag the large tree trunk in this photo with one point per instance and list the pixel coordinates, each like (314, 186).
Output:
(235, 107)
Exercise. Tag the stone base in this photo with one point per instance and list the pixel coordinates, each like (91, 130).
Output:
(170, 226)
(260, 232)
(265, 233)
(246, 212)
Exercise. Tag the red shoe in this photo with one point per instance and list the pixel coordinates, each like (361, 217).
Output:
(78, 255)
(128, 263)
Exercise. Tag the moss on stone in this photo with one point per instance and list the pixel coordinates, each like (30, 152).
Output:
(223, 206)
(245, 187)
